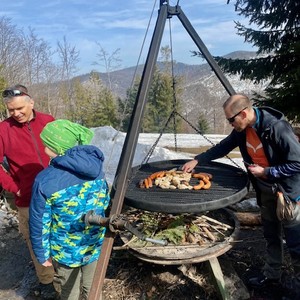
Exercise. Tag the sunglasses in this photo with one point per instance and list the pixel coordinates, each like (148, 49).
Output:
(232, 119)
(13, 93)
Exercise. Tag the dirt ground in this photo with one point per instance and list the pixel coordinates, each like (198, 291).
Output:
(130, 278)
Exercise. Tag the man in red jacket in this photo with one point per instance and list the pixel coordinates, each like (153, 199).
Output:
(23, 152)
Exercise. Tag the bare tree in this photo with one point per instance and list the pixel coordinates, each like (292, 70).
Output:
(69, 57)
(23, 57)
(110, 62)
(47, 93)
(36, 54)
(10, 51)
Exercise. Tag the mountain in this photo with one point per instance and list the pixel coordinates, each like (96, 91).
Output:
(203, 93)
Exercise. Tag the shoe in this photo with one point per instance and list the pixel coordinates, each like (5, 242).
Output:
(48, 292)
(262, 281)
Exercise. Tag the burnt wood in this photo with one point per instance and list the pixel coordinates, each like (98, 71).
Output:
(188, 253)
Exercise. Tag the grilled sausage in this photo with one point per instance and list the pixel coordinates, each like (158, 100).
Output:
(154, 175)
(199, 186)
(202, 174)
(146, 182)
(150, 182)
(207, 185)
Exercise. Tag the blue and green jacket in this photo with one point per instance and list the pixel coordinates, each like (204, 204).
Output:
(69, 187)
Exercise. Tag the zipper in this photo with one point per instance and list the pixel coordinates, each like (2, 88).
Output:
(35, 143)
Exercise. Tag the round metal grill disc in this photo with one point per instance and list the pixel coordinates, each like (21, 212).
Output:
(229, 185)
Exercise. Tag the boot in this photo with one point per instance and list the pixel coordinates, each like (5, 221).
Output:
(48, 292)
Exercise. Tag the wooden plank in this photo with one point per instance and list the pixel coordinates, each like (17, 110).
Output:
(227, 282)
(234, 285)
(217, 278)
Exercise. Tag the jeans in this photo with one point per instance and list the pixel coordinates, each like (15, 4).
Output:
(75, 282)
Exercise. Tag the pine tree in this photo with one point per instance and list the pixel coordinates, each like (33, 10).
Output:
(163, 99)
(104, 114)
(160, 103)
(125, 108)
(276, 34)
(93, 104)
(203, 126)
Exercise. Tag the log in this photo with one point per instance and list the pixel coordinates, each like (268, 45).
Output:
(248, 218)
(216, 221)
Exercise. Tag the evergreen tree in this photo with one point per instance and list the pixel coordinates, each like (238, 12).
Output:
(163, 99)
(104, 113)
(92, 105)
(202, 124)
(160, 103)
(276, 34)
(125, 108)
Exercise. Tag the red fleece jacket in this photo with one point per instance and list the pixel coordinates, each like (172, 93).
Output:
(20, 143)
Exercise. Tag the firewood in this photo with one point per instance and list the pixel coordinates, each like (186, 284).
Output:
(217, 229)
(248, 218)
(190, 238)
(201, 224)
(209, 234)
(216, 221)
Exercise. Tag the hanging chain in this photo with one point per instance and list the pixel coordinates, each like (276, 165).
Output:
(131, 87)
(150, 152)
(196, 129)
(173, 116)
(173, 88)
(208, 140)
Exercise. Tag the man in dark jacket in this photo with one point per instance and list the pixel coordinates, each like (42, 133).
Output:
(23, 151)
(272, 157)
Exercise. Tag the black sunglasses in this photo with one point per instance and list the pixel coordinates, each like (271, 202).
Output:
(13, 93)
(232, 119)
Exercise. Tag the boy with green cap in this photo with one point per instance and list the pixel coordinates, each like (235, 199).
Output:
(72, 185)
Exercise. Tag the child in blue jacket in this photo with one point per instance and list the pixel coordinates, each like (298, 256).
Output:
(69, 187)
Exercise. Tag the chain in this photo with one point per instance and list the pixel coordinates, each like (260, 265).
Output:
(195, 128)
(207, 139)
(150, 152)
(173, 115)
(173, 87)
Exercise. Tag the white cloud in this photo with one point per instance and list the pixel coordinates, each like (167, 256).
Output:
(123, 24)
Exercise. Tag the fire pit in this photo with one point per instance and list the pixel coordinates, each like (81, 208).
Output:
(229, 185)
(187, 253)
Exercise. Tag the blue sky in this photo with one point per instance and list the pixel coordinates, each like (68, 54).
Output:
(123, 23)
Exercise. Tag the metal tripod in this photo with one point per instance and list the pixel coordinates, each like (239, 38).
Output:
(125, 163)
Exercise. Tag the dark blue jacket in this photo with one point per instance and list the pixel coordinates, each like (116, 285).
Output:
(280, 145)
